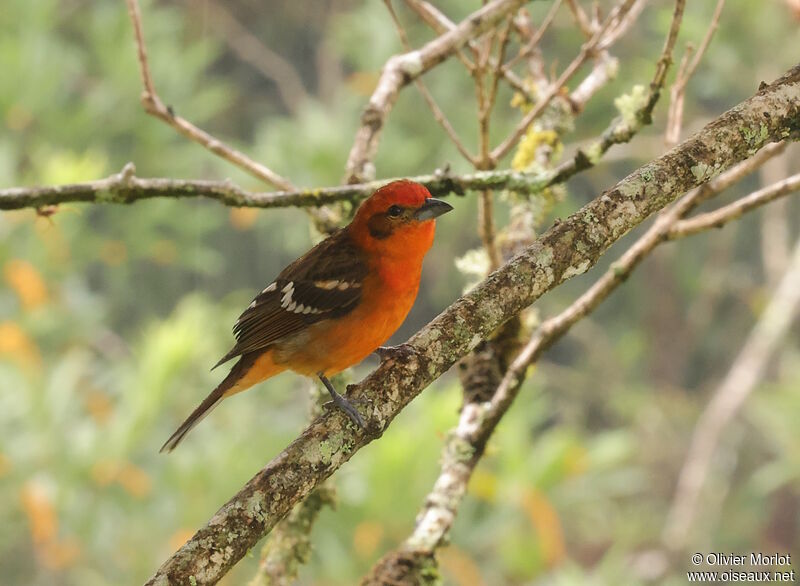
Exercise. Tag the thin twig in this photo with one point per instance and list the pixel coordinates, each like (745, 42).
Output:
(586, 51)
(672, 135)
(437, 20)
(533, 42)
(486, 228)
(723, 215)
(155, 107)
(402, 69)
(582, 20)
(685, 72)
(437, 112)
(624, 128)
(432, 17)
(250, 49)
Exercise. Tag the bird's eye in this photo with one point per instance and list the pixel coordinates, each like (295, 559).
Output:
(394, 211)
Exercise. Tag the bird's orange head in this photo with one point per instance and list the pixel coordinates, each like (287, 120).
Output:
(398, 220)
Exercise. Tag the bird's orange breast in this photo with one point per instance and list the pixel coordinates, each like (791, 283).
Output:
(331, 346)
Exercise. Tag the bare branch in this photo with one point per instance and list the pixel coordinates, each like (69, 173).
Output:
(155, 107)
(567, 249)
(126, 188)
(402, 69)
(581, 18)
(537, 35)
(685, 72)
(440, 23)
(728, 399)
(438, 115)
(723, 215)
(586, 51)
(250, 49)
(624, 128)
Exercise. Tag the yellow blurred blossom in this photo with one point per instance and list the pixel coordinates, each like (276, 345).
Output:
(367, 537)
(5, 464)
(133, 479)
(37, 504)
(24, 279)
(16, 343)
(99, 406)
(243, 218)
(59, 554)
(483, 485)
(164, 252)
(114, 252)
(178, 538)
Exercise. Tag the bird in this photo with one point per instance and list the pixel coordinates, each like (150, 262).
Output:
(336, 304)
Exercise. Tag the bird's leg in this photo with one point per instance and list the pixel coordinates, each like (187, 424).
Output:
(392, 352)
(342, 403)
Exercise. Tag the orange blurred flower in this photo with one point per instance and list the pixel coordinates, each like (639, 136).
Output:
(26, 282)
(544, 518)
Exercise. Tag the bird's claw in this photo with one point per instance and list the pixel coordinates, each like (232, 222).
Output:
(347, 407)
(400, 351)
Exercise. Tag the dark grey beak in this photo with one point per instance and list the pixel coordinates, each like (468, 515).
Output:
(432, 208)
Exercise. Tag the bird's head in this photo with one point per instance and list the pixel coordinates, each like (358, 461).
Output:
(399, 218)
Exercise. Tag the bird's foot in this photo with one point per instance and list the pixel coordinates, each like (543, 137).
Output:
(401, 351)
(349, 409)
(342, 404)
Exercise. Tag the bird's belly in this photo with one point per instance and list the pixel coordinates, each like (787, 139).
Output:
(331, 346)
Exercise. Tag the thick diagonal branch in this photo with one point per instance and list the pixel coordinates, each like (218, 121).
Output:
(567, 249)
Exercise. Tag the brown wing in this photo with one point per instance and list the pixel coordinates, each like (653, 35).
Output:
(322, 284)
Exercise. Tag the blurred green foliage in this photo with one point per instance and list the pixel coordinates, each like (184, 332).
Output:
(110, 315)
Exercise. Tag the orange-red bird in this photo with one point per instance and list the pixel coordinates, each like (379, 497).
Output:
(336, 304)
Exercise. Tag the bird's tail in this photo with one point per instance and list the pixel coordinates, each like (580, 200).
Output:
(214, 398)
(251, 369)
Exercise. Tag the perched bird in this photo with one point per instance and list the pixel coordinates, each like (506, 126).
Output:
(336, 304)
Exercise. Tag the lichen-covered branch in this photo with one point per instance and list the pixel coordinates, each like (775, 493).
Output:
(400, 70)
(290, 547)
(126, 188)
(568, 248)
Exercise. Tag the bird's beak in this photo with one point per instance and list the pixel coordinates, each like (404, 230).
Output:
(432, 208)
